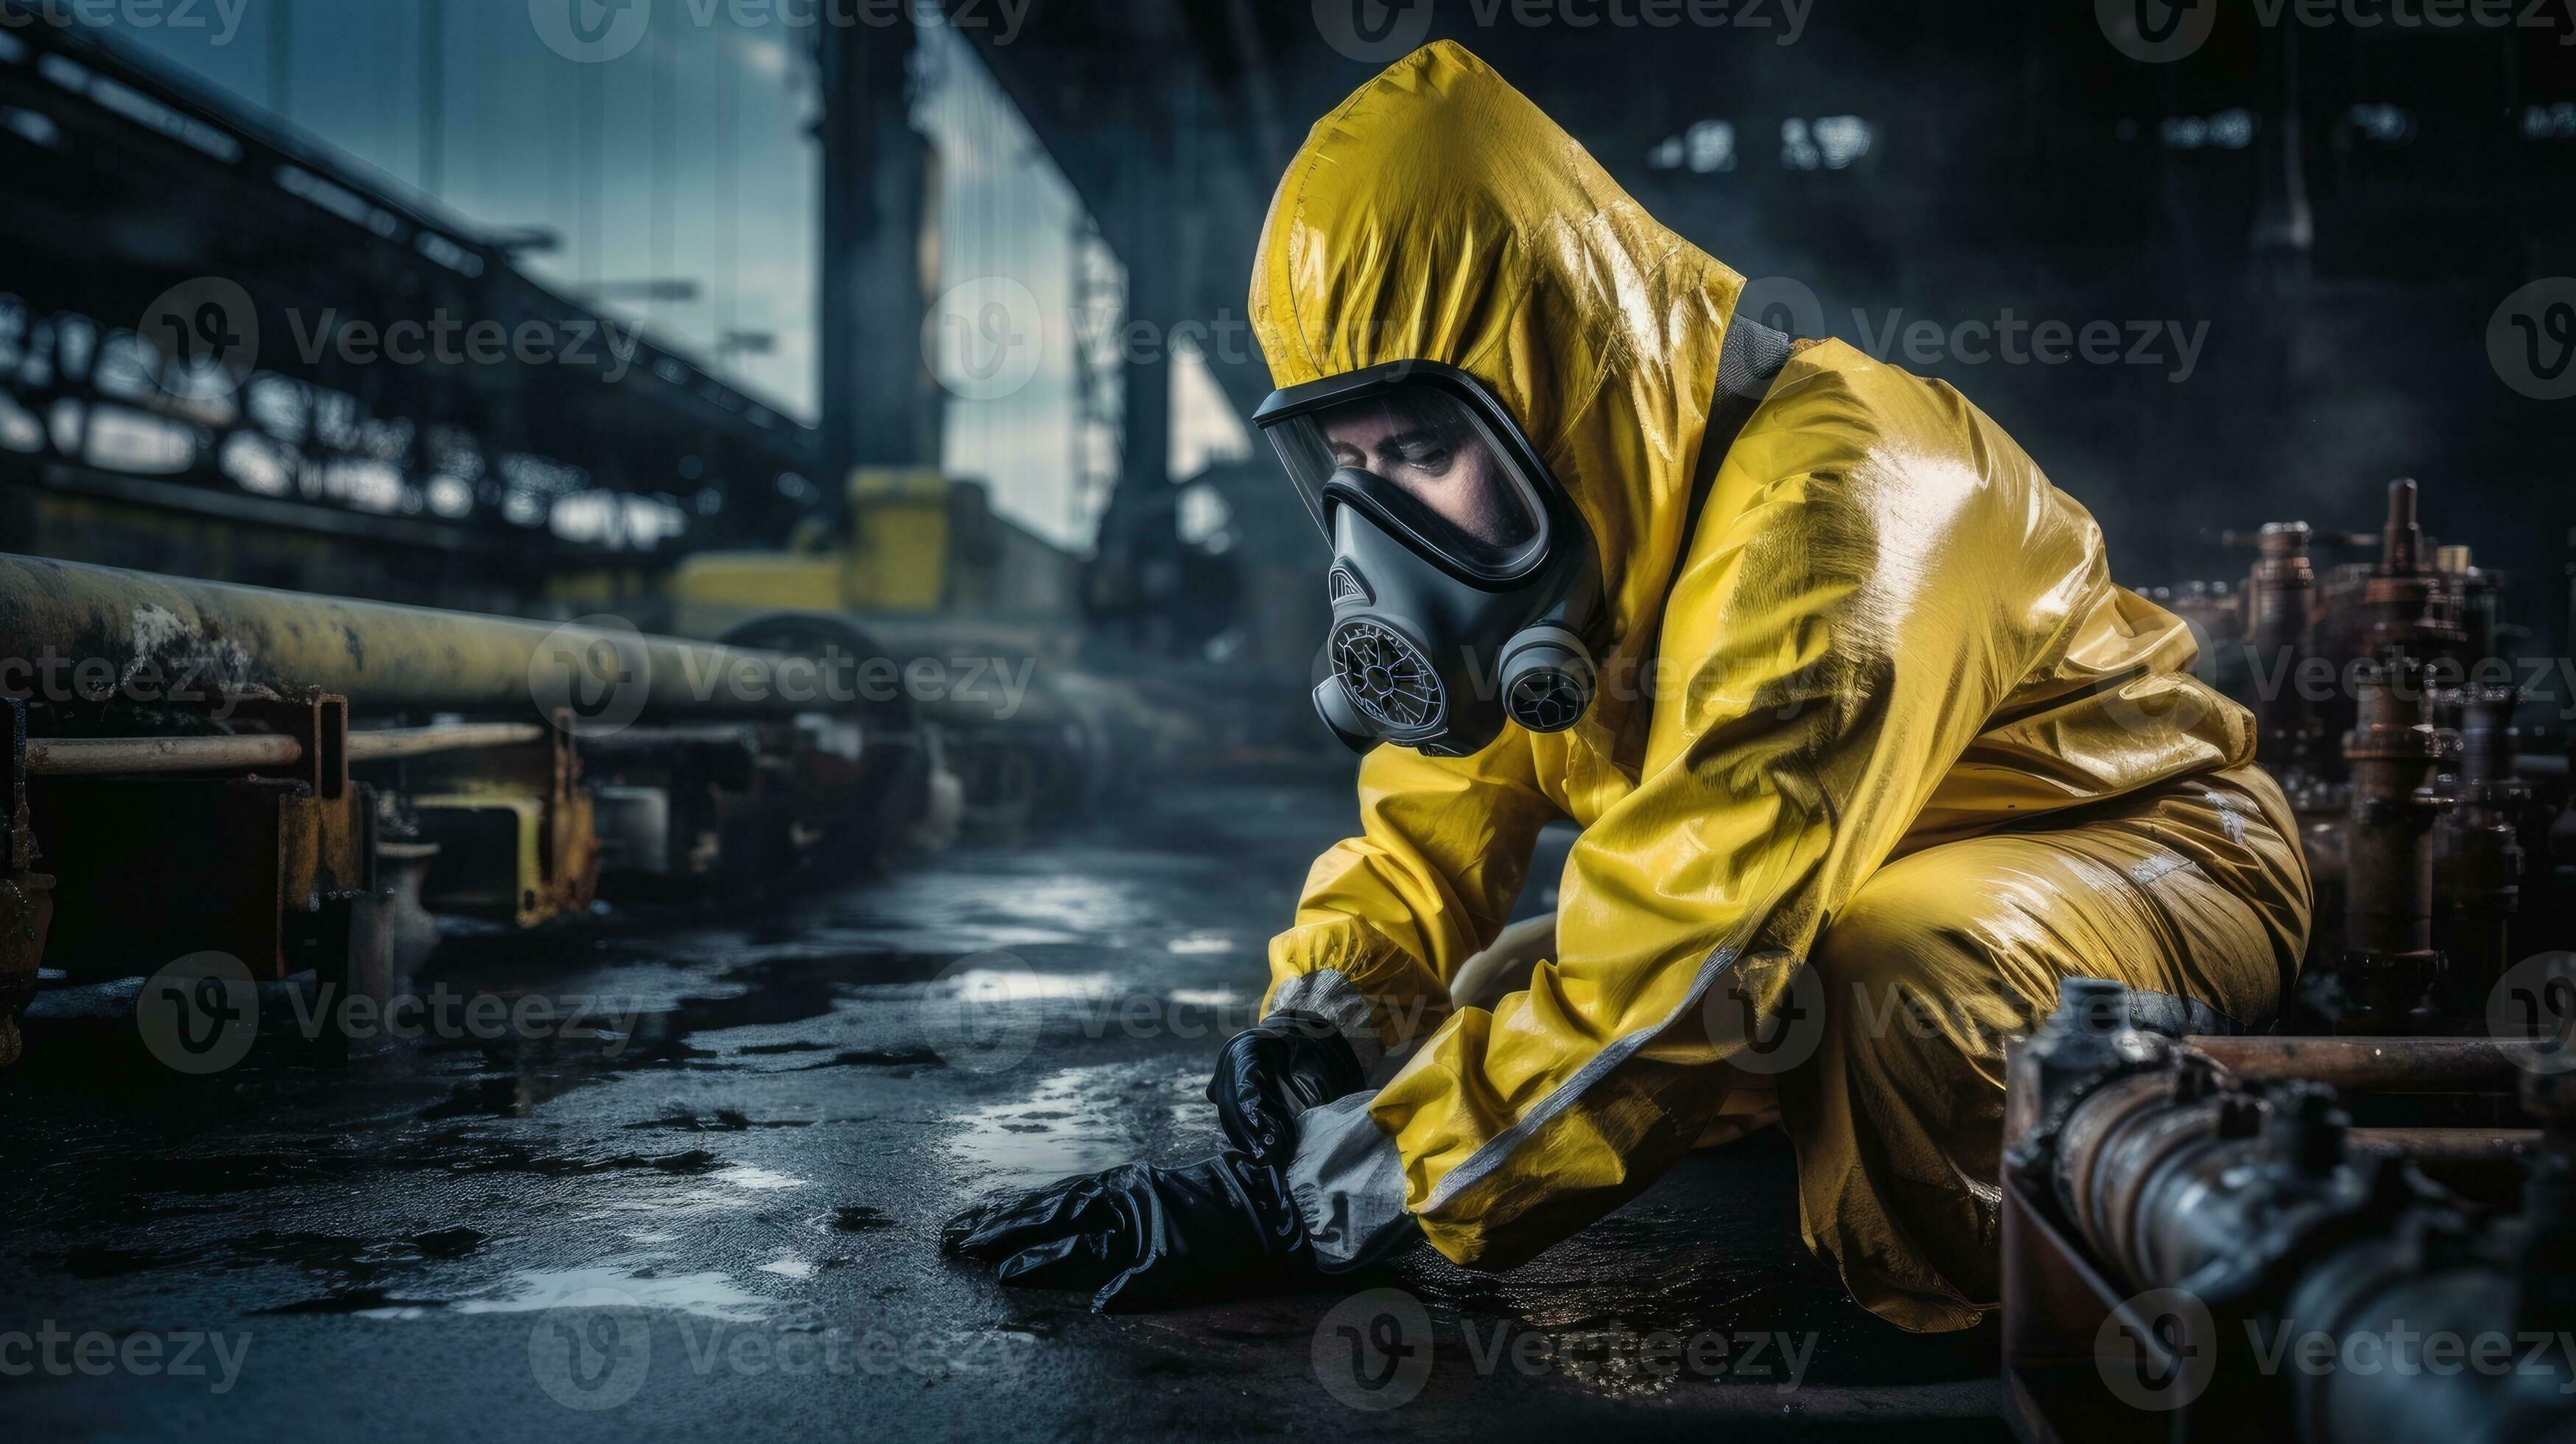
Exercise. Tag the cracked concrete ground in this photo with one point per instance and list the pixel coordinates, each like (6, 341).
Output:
(689, 1188)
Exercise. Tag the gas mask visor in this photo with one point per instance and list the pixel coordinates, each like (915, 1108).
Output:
(1461, 579)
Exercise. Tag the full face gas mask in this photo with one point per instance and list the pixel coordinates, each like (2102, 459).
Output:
(1463, 580)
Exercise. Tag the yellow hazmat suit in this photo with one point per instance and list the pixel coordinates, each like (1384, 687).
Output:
(1881, 752)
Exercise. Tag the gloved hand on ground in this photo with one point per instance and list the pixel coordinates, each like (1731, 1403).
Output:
(1275, 1070)
(1142, 1237)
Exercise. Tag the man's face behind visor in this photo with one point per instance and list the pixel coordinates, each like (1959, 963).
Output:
(1428, 448)
(1419, 454)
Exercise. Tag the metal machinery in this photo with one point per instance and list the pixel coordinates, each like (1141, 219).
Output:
(2201, 1242)
(301, 782)
(2356, 1227)
(2385, 707)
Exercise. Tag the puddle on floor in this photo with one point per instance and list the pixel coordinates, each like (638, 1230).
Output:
(1077, 1120)
(753, 1176)
(735, 1186)
(1225, 1000)
(708, 1295)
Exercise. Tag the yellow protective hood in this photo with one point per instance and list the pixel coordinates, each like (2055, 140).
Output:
(1439, 216)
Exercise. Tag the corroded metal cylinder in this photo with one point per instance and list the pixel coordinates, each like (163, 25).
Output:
(214, 637)
(2170, 1178)
(2480, 852)
(2388, 957)
(2282, 594)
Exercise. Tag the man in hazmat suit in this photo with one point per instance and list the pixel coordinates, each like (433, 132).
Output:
(1867, 749)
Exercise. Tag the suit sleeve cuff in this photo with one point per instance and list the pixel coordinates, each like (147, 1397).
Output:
(1331, 996)
(1347, 1182)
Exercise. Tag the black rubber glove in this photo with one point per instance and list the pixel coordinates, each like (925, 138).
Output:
(1143, 1238)
(1273, 1071)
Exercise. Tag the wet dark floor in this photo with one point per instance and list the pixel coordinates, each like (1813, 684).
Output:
(682, 1179)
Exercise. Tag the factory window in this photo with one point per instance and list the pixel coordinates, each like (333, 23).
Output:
(256, 464)
(1708, 147)
(19, 430)
(1206, 429)
(34, 127)
(449, 496)
(2227, 130)
(2384, 123)
(1830, 142)
(119, 438)
(1203, 518)
(577, 170)
(363, 484)
(616, 518)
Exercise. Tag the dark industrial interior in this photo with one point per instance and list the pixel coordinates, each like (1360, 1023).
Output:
(648, 647)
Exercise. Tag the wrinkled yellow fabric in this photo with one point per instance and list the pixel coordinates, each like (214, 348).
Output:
(1886, 637)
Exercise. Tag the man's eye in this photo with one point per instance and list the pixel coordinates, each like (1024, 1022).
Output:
(1424, 457)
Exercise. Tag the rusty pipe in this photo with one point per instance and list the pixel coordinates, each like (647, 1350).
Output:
(389, 743)
(2450, 1145)
(172, 634)
(99, 756)
(2368, 1065)
(2282, 592)
(102, 756)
